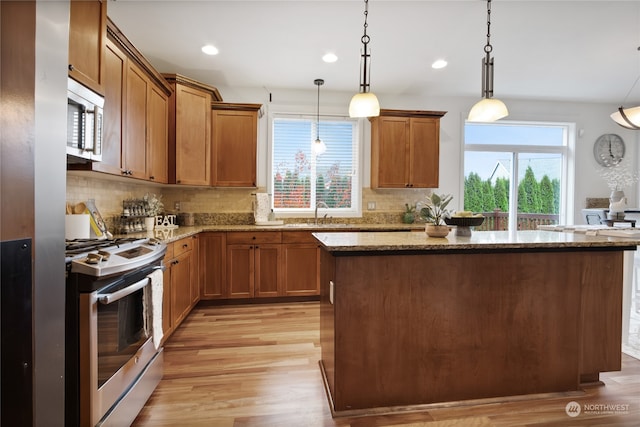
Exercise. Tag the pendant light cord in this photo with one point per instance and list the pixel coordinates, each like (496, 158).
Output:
(488, 48)
(318, 82)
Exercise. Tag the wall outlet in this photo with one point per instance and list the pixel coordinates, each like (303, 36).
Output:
(371, 206)
(176, 206)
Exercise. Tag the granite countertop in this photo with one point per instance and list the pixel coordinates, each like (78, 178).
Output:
(479, 240)
(171, 235)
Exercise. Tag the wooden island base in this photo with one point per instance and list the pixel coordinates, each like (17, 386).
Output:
(426, 327)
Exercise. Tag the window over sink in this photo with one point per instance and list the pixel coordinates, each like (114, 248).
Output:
(300, 180)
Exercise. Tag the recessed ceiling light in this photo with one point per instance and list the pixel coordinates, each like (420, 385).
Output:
(330, 57)
(210, 49)
(440, 63)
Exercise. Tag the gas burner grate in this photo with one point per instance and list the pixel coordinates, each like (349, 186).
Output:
(81, 246)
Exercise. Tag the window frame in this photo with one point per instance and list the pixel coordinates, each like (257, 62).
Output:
(358, 163)
(567, 151)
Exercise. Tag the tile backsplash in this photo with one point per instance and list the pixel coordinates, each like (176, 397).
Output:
(216, 205)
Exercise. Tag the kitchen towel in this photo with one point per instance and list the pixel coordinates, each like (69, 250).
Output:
(262, 207)
(153, 306)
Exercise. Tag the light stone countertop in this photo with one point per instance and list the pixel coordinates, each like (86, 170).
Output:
(479, 240)
(172, 235)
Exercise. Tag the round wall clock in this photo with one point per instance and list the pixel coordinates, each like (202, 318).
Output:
(608, 149)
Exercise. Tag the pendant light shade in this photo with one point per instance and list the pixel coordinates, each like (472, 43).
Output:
(627, 117)
(318, 148)
(365, 103)
(488, 109)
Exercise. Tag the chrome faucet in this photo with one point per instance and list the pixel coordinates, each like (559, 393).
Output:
(315, 215)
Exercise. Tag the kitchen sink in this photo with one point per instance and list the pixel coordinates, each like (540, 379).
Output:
(328, 225)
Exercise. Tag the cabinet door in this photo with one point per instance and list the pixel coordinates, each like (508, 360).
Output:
(114, 88)
(134, 144)
(267, 270)
(157, 135)
(235, 135)
(424, 152)
(300, 269)
(181, 273)
(194, 279)
(389, 152)
(212, 265)
(192, 136)
(240, 270)
(87, 41)
(167, 318)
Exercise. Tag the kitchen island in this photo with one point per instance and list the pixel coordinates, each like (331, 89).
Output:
(408, 321)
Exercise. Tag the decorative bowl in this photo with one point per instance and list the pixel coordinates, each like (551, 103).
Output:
(465, 221)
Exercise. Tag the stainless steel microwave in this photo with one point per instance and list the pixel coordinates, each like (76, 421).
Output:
(84, 124)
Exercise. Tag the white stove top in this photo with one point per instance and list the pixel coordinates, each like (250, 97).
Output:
(119, 257)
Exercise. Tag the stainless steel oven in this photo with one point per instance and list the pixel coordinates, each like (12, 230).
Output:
(112, 362)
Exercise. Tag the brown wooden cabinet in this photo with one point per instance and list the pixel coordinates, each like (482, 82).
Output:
(134, 152)
(213, 250)
(135, 129)
(300, 263)
(253, 264)
(405, 149)
(181, 287)
(234, 140)
(190, 130)
(87, 42)
(157, 135)
(114, 85)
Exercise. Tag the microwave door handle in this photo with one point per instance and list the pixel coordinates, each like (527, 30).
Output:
(118, 295)
(88, 129)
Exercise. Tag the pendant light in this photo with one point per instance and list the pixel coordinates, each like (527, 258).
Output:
(318, 148)
(364, 103)
(628, 117)
(488, 109)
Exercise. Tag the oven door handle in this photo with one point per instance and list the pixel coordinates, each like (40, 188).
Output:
(118, 295)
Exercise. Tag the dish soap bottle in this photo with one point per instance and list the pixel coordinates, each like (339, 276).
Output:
(272, 216)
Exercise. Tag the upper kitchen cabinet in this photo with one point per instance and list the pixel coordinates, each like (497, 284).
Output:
(405, 149)
(87, 42)
(235, 140)
(190, 130)
(135, 124)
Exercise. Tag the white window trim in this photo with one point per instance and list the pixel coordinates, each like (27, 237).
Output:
(285, 112)
(567, 211)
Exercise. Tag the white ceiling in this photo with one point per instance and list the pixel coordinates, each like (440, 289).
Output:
(546, 50)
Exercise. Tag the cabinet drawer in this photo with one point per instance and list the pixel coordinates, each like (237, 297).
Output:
(182, 246)
(244, 237)
(298, 237)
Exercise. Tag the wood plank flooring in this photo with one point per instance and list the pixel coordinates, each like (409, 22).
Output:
(257, 365)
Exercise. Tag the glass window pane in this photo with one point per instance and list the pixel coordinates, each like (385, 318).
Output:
(539, 190)
(486, 187)
(300, 178)
(513, 134)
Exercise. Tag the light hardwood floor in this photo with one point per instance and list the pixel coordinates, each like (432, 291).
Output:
(257, 365)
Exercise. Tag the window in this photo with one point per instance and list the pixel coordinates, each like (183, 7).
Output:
(515, 173)
(300, 180)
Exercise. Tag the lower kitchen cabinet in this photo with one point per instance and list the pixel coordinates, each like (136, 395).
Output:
(300, 264)
(242, 264)
(213, 251)
(253, 264)
(181, 290)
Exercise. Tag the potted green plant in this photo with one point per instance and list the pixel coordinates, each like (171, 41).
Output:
(153, 208)
(409, 215)
(434, 212)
